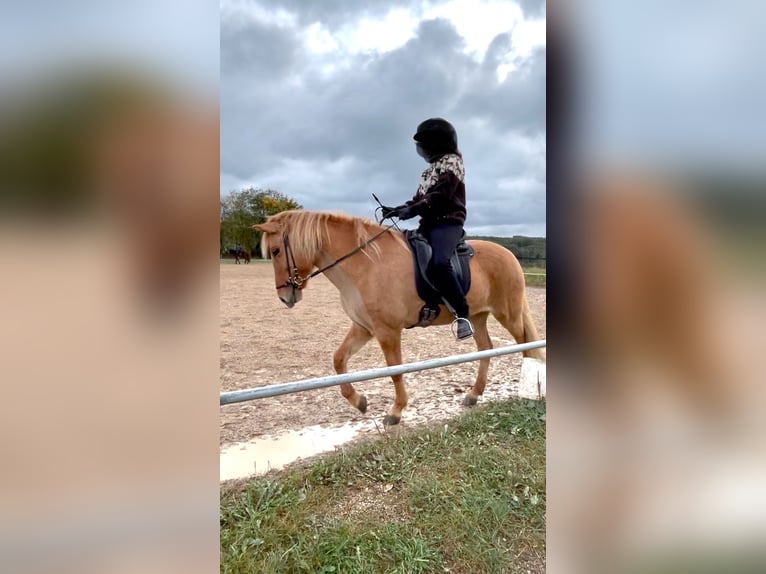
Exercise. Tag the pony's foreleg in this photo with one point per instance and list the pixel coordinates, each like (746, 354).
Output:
(355, 339)
(483, 342)
(391, 344)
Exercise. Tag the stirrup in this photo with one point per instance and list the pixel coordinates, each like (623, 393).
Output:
(461, 329)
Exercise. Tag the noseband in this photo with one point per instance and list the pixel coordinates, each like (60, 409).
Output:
(295, 280)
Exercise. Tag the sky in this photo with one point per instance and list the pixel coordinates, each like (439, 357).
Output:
(173, 40)
(320, 100)
(671, 84)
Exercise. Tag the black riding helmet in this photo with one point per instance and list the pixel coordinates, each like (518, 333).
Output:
(435, 137)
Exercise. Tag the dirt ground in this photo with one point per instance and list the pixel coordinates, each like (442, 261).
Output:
(263, 343)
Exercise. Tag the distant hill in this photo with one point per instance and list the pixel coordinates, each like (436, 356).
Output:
(530, 251)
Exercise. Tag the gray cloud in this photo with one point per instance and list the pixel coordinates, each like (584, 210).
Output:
(533, 8)
(518, 102)
(257, 50)
(331, 137)
(333, 13)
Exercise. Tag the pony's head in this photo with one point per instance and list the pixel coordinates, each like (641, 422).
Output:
(292, 240)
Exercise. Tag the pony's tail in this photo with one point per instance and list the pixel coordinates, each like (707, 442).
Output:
(530, 334)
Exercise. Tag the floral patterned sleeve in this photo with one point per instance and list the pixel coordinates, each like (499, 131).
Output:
(438, 185)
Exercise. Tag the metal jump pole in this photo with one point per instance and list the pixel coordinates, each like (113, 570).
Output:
(230, 397)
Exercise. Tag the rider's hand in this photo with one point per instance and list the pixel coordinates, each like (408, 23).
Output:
(389, 212)
(405, 212)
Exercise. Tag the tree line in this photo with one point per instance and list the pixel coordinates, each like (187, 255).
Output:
(530, 251)
(242, 209)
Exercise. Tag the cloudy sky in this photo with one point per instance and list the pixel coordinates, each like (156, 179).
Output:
(319, 100)
(175, 40)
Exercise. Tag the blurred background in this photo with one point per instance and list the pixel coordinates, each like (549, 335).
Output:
(109, 189)
(109, 256)
(656, 181)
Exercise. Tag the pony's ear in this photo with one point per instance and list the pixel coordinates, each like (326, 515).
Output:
(268, 227)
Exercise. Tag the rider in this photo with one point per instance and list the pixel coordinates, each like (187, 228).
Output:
(440, 203)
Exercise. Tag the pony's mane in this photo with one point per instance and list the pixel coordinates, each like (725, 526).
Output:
(308, 231)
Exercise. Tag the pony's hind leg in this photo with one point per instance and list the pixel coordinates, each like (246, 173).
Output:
(483, 342)
(522, 327)
(356, 338)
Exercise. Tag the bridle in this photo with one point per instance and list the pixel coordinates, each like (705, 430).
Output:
(294, 278)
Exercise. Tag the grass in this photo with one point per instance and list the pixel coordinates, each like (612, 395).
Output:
(467, 496)
(535, 276)
(254, 260)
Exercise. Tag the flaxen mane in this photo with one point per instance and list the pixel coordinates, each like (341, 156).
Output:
(307, 231)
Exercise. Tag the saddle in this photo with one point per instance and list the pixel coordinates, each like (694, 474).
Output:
(421, 255)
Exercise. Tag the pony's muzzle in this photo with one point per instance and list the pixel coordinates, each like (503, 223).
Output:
(289, 296)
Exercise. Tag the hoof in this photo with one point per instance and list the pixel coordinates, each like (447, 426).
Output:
(362, 404)
(391, 420)
(470, 401)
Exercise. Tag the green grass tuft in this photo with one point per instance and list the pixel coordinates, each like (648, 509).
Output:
(466, 496)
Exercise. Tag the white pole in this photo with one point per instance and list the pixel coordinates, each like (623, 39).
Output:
(322, 382)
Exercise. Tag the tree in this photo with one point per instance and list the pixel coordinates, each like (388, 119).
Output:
(529, 250)
(242, 209)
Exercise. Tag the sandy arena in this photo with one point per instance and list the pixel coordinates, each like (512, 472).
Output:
(263, 343)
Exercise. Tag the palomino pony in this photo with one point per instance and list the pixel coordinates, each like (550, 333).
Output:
(372, 268)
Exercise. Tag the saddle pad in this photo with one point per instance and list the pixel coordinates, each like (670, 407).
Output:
(421, 255)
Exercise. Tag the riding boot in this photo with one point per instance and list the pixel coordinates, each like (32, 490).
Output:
(447, 284)
(443, 240)
(464, 329)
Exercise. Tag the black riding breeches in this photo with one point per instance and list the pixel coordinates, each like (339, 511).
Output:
(443, 239)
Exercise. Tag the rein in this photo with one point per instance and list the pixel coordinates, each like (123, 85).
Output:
(295, 280)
